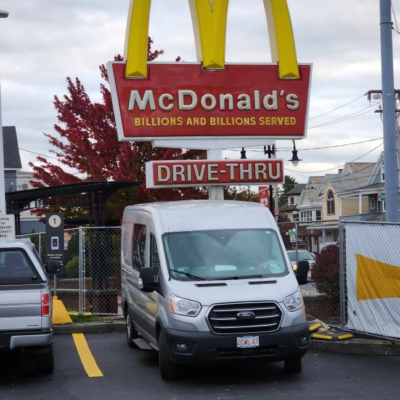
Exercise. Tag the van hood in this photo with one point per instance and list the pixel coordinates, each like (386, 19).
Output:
(241, 290)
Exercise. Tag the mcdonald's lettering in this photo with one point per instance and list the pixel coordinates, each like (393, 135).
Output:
(209, 98)
(161, 174)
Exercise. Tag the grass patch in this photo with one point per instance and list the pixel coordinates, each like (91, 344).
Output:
(85, 318)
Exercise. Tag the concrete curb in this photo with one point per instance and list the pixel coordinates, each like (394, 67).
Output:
(110, 327)
(357, 347)
(353, 346)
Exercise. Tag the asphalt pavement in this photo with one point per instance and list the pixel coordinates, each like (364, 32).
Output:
(133, 374)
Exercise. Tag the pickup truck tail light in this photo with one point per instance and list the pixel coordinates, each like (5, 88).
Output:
(45, 304)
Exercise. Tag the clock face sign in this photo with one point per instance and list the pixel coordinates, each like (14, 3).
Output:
(55, 221)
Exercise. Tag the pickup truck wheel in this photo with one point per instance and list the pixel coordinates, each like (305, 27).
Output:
(131, 333)
(45, 361)
(169, 370)
(293, 365)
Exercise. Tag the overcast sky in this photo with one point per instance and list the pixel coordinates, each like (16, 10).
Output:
(44, 41)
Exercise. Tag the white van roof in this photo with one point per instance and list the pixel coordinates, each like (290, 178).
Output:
(196, 215)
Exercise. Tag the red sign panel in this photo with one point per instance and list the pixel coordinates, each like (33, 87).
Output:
(182, 100)
(263, 196)
(178, 173)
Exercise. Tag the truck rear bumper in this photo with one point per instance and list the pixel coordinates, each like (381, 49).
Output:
(23, 339)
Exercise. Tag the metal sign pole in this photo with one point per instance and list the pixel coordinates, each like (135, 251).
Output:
(3, 209)
(215, 192)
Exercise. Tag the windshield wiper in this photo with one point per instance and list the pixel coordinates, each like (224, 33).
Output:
(197, 278)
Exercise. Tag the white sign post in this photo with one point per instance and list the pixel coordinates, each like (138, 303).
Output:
(7, 226)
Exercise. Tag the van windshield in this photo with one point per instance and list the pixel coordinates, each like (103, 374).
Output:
(224, 254)
(16, 268)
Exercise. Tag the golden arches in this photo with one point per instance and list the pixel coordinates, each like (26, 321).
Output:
(209, 19)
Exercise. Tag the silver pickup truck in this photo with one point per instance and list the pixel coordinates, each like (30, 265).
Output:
(25, 304)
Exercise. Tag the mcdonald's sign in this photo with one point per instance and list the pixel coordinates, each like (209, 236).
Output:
(210, 98)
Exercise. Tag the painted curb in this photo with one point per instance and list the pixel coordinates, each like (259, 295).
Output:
(353, 346)
(357, 347)
(94, 328)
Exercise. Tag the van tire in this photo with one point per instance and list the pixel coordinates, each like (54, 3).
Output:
(131, 332)
(45, 361)
(293, 365)
(169, 370)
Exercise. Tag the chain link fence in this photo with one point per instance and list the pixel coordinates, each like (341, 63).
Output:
(91, 280)
(371, 278)
(353, 281)
(319, 244)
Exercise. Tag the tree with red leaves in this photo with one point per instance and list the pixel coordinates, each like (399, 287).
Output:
(88, 143)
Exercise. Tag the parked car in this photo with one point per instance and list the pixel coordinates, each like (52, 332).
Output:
(302, 255)
(209, 281)
(26, 303)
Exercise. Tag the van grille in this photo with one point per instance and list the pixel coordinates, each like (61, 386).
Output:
(223, 318)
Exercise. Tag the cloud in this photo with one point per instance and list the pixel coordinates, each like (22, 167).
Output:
(44, 41)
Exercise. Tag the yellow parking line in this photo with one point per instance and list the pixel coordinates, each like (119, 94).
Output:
(86, 356)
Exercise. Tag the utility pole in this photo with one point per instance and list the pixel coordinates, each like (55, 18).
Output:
(389, 114)
(272, 204)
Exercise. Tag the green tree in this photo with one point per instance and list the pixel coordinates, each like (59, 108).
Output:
(287, 186)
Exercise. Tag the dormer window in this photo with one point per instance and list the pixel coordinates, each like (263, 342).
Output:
(330, 203)
(291, 201)
(383, 173)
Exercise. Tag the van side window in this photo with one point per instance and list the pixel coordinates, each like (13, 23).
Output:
(139, 246)
(154, 259)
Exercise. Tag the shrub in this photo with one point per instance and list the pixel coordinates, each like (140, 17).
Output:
(326, 272)
(72, 267)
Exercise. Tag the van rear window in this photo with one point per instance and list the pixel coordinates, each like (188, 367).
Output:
(16, 268)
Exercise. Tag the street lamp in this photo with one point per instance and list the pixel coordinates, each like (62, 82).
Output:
(3, 14)
(295, 159)
(243, 154)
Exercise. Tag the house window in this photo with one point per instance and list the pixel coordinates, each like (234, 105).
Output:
(306, 216)
(383, 173)
(372, 203)
(292, 201)
(296, 217)
(330, 203)
(318, 215)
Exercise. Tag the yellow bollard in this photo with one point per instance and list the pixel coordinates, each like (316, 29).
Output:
(60, 313)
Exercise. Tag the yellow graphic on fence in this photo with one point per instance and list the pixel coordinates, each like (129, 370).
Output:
(209, 18)
(376, 280)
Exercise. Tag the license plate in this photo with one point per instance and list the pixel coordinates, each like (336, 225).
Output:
(247, 342)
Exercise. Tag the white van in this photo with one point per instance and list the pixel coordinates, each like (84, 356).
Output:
(210, 281)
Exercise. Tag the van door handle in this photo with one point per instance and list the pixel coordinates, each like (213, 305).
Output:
(127, 272)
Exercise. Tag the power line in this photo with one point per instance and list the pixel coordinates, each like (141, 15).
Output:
(395, 19)
(337, 167)
(350, 116)
(38, 154)
(320, 148)
(358, 98)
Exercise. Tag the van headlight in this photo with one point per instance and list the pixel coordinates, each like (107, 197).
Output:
(294, 302)
(181, 306)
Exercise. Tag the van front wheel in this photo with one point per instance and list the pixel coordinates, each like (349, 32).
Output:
(293, 365)
(169, 370)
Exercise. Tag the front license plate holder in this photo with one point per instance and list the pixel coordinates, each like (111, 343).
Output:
(248, 342)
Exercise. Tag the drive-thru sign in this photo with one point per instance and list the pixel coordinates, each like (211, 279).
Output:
(204, 173)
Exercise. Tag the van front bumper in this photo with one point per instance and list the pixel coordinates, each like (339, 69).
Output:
(23, 339)
(206, 347)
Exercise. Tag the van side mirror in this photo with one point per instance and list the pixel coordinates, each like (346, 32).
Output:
(146, 281)
(302, 272)
(53, 267)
